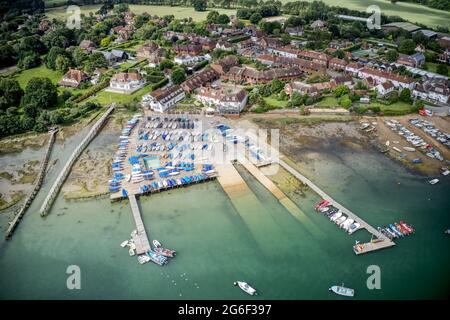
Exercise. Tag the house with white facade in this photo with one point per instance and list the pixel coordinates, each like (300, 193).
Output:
(163, 99)
(126, 82)
(189, 60)
(385, 88)
(379, 76)
(225, 100)
(434, 90)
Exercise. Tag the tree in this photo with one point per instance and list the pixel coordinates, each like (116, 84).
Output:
(121, 8)
(51, 56)
(95, 60)
(105, 42)
(405, 95)
(276, 86)
(212, 16)
(340, 90)
(29, 60)
(10, 93)
(223, 19)
(442, 69)
(345, 102)
(78, 57)
(178, 76)
(199, 5)
(339, 54)
(40, 93)
(62, 63)
(406, 46)
(166, 64)
(7, 55)
(255, 18)
(392, 55)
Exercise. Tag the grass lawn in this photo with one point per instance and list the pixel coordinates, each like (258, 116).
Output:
(178, 12)
(414, 13)
(106, 98)
(328, 102)
(395, 108)
(24, 77)
(274, 102)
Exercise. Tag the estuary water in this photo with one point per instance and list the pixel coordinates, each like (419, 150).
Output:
(216, 246)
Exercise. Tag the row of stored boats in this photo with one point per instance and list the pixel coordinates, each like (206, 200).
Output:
(335, 215)
(397, 230)
(415, 140)
(429, 128)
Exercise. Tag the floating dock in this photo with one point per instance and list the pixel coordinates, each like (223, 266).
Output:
(383, 241)
(140, 237)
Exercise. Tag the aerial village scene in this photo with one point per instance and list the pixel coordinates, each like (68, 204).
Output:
(211, 149)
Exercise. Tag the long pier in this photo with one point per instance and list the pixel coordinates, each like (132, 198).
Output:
(48, 202)
(140, 236)
(383, 241)
(37, 186)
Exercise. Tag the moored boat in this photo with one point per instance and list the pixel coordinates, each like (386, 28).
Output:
(156, 243)
(433, 181)
(165, 252)
(245, 287)
(342, 291)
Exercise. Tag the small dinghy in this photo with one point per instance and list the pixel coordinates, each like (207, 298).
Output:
(434, 181)
(131, 252)
(245, 287)
(156, 243)
(342, 291)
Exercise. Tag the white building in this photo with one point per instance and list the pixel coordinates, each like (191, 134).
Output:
(434, 90)
(225, 100)
(385, 88)
(162, 99)
(126, 82)
(399, 82)
(188, 60)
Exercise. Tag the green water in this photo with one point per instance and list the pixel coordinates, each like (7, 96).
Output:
(217, 245)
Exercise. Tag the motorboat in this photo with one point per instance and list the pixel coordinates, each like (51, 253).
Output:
(156, 243)
(131, 252)
(124, 244)
(353, 227)
(245, 287)
(434, 181)
(342, 291)
(340, 220)
(165, 252)
(346, 224)
(143, 258)
(336, 216)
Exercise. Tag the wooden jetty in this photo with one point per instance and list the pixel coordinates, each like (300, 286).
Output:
(68, 166)
(41, 174)
(383, 241)
(140, 236)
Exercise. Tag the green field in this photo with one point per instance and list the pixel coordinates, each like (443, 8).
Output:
(106, 98)
(41, 71)
(395, 108)
(274, 102)
(178, 12)
(414, 13)
(328, 102)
